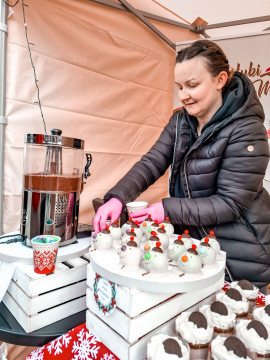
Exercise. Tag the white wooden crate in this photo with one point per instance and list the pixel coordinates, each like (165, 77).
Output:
(139, 314)
(37, 300)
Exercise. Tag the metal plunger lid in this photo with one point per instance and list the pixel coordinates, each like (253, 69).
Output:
(55, 138)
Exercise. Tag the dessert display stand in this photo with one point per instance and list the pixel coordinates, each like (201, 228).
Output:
(37, 301)
(140, 314)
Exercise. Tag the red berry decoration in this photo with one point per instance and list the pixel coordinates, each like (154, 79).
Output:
(130, 219)
(132, 230)
(149, 215)
(179, 237)
(186, 231)
(163, 226)
(211, 232)
(107, 227)
(115, 221)
(158, 243)
(206, 240)
(153, 233)
(132, 238)
(156, 221)
(167, 218)
(194, 246)
(136, 222)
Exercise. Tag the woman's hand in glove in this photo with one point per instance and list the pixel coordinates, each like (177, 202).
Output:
(111, 209)
(155, 210)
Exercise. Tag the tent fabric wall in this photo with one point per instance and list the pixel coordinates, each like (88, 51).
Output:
(103, 76)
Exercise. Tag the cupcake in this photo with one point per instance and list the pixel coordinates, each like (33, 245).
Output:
(228, 348)
(234, 300)
(194, 328)
(168, 226)
(248, 291)
(189, 261)
(155, 261)
(256, 338)
(213, 241)
(262, 313)
(116, 231)
(164, 347)
(206, 253)
(103, 240)
(220, 317)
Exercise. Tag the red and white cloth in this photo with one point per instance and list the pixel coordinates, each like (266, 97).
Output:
(80, 344)
(77, 344)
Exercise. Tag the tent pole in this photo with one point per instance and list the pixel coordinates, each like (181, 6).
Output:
(3, 119)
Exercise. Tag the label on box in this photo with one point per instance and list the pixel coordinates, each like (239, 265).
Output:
(104, 295)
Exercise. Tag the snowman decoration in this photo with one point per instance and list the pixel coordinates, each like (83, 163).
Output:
(155, 261)
(189, 261)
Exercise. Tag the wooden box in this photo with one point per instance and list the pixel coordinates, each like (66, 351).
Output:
(39, 300)
(139, 315)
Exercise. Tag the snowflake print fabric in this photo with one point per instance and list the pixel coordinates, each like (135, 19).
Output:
(77, 344)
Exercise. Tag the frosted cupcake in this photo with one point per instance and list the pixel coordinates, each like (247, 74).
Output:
(220, 317)
(262, 313)
(248, 291)
(164, 347)
(256, 338)
(234, 300)
(228, 348)
(116, 231)
(194, 328)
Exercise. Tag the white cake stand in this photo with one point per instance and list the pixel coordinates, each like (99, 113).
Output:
(106, 263)
(17, 252)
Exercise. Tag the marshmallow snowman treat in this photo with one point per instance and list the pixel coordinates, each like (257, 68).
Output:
(103, 240)
(152, 242)
(155, 261)
(146, 224)
(130, 235)
(189, 261)
(115, 230)
(130, 255)
(137, 230)
(206, 253)
(213, 241)
(127, 226)
(168, 226)
(163, 237)
(186, 238)
(176, 249)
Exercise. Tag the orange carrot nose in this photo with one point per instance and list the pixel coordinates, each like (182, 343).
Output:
(146, 247)
(184, 258)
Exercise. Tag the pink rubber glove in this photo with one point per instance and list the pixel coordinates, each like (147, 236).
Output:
(111, 209)
(155, 210)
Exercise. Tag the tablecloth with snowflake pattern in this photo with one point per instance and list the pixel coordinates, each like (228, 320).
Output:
(77, 344)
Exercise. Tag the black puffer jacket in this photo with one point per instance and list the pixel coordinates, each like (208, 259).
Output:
(221, 178)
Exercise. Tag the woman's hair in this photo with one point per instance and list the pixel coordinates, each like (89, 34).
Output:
(215, 59)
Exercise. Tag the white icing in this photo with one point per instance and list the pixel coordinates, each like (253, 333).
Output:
(192, 265)
(163, 238)
(130, 256)
(145, 225)
(126, 238)
(155, 349)
(267, 300)
(214, 244)
(138, 233)
(157, 263)
(126, 227)
(151, 244)
(188, 242)
(102, 241)
(169, 228)
(218, 321)
(175, 250)
(116, 232)
(251, 338)
(248, 294)
(190, 332)
(239, 307)
(207, 255)
(219, 351)
(260, 314)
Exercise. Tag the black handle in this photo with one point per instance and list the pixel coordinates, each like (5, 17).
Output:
(86, 172)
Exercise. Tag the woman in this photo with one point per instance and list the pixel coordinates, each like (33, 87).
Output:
(218, 152)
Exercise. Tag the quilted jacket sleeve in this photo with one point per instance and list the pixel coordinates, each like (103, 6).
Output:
(239, 179)
(148, 169)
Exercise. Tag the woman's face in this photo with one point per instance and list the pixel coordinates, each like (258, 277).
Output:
(198, 91)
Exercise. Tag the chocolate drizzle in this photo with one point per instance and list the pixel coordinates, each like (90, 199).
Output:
(245, 285)
(234, 294)
(192, 251)
(259, 328)
(267, 310)
(132, 243)
(235, 345)
(171, 346)
(198, 319)
(219, 308)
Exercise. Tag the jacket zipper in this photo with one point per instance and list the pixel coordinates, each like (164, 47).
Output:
(175, 142)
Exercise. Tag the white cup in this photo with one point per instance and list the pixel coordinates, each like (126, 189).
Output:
(136, 205)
